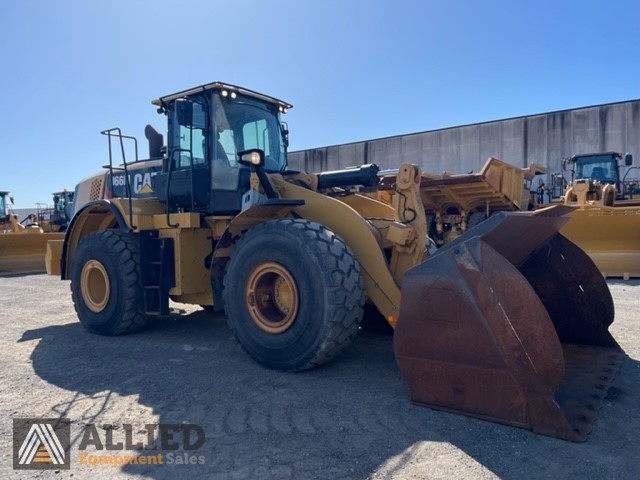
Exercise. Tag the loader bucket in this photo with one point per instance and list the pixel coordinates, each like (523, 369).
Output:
(24, 252)
(509, 323)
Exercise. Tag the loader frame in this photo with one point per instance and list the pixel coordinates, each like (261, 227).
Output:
(285, 242)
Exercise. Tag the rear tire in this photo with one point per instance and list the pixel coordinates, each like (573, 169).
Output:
(105, 283)
(293, 294)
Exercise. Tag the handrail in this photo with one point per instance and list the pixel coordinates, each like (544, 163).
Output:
(110, 133)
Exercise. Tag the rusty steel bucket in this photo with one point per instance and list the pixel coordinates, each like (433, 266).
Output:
(509, 323)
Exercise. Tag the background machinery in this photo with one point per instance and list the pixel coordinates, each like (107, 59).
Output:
(22, 245)
(56, 218)
(606, 222)
(9, 221)
(596, 178)
(507, 322)
(454, 203)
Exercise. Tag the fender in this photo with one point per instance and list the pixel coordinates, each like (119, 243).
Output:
(275, 208)
(94, 216)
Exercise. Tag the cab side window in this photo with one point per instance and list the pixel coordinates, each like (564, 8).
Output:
(192, 139)
(256, 135)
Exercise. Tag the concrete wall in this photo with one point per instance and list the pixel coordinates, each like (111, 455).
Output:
(544, 139)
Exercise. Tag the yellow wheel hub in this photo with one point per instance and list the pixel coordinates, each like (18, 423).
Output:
(272, 297)
(94, 283)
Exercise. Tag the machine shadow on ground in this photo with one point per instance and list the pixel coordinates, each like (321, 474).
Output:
(349, 419)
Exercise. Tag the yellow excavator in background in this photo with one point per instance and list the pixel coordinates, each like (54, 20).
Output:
(507, 322)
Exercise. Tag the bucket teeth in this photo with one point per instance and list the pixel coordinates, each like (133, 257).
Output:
(509, 323)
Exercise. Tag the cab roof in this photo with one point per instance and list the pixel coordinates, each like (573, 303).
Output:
(596, 154)
(221, 86)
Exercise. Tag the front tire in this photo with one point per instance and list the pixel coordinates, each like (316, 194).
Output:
(293, 294)
(105, 283)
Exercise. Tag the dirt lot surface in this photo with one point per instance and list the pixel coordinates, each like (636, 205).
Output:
(350, 419)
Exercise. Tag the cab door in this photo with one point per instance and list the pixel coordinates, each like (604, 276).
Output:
(188, 179)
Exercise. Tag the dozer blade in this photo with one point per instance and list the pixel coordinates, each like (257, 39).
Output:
(24, 252)
(509, 323)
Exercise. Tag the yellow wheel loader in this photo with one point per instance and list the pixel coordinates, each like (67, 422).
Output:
(56, 217)
(22, 247)
(606, 222)
(508, 322)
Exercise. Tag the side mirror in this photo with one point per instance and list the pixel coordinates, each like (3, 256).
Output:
(184, 111)
(251, 158)
(628, 159)
(284, 128)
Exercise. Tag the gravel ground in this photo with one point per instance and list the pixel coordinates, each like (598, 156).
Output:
(350, 419)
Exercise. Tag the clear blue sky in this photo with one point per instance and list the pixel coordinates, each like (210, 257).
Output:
(354, 70)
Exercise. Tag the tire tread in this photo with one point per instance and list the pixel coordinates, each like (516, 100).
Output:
(342, 273)
(125, 247)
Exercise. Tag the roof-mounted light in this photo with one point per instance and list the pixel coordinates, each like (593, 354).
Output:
(227, 93)
(221, 88)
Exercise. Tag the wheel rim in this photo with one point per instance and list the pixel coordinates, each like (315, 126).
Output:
(272, 297)
(94, 282)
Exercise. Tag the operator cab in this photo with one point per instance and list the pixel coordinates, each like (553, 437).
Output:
(601, 167)
(3, 206)
(207, 127)
(597, 167)
(62, 208)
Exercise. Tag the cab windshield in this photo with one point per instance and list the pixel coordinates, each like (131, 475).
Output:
(245, 123)
(596, 168)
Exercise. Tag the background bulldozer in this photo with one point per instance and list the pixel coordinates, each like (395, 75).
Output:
(22, 244)
(508, 322)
